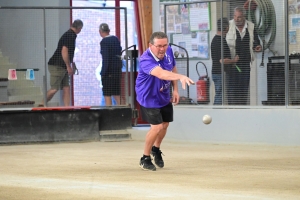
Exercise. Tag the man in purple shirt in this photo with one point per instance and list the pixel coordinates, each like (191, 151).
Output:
(156, 74)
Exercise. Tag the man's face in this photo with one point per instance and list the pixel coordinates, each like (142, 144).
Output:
(101, 33)
(78, 30)
(159, 47)
(239, 18)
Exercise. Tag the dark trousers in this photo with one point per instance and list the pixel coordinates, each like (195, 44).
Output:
(238, 86)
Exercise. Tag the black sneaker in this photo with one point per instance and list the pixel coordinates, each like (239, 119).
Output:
(146, 164)
(157, 158)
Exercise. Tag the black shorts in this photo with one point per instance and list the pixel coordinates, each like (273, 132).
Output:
(157, 115)
(111, 85)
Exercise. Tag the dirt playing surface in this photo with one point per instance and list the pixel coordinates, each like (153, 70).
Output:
(109, 170)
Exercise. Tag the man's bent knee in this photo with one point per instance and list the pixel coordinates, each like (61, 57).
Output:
(165, 125)
(157, 128)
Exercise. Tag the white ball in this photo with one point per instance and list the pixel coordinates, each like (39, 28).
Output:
(206, 119)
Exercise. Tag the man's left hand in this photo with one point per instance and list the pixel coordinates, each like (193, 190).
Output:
(175, 98)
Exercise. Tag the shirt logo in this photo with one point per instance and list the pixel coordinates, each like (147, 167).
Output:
(168, 59)
(165, 86)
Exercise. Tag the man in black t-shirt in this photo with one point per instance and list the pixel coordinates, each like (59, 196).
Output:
(61, 63)
(216, 47)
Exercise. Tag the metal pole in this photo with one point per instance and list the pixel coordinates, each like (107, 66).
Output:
(45, 60)
(131, 81)
(165, 17)
(135, 76)
(222, 56)
(126, 46)
(286, 53)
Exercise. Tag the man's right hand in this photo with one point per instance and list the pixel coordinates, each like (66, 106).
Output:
(186, 80)
(236, 58)
(70, 70)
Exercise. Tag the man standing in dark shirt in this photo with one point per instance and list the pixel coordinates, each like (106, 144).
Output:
(61, 63)
(216, 46)
(110, 49)
(243, 41)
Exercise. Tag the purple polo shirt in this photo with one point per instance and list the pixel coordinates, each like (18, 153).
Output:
(151, 91)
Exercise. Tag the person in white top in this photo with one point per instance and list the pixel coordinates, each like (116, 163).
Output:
(243, 41)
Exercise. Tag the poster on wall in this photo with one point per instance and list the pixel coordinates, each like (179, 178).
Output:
(298, 6)
(292, 37)
(187, 25)
(171, 11)
(295, 22)
(170, 23)
(203, 46)
(293, 8)
(196, 43)
(199, 15)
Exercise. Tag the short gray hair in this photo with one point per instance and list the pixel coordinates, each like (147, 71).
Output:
(77, 24)
(104, 27)
(241, 10)
(157, 35)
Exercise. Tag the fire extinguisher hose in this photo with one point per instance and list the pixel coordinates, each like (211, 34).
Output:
(204, 67)
(266, 23)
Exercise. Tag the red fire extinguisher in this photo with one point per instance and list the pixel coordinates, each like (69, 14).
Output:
(202, 86)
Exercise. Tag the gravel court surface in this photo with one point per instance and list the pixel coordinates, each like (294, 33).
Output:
(110, 170)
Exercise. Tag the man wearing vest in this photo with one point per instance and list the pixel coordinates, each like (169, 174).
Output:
(243, 41)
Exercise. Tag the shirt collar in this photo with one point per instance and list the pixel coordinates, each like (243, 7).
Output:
(244, 28)
(154, 56)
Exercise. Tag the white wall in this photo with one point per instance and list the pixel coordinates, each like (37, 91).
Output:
(259, 126)
(239, 126)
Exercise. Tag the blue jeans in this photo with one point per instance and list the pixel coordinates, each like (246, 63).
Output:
(217, 78)
(238, 87)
